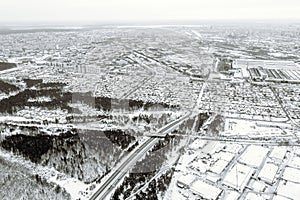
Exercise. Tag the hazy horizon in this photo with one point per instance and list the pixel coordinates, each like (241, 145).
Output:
(146, 23)
(136, 11)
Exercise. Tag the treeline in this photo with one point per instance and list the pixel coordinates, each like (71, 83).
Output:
(145, 169)
(108, 104)
(66, 153)
(216, 126)
(202, 117)
(19, 183)
(9, 127)
(32, 147)
(20, 100)
(51, 85)
(7, 88)
(60, 99)
(157, 156)
(32, 82)
(155, 186)
(103, 148)
(133, 146)
(40, 84)
(119, 137)
(6, 65)
(150, 193)
(142, 117)
(83, 119)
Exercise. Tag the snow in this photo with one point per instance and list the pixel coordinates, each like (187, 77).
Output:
(233, 148)
(213, 177)
(258, 186)
(13, 118)
(251, 196)
(198, 144)
(232, 195)
(224, 156)
(254, 155)
(71, 185)
(290, 190)
(40, 99)
(197, 34)
(254, 128)
(184, 160)
(185, 180)
(173, 191)
(238, 176)
(277, 197)
(245, 73)
(295, 162)
(269, 64)
(200, 166)
(278, 153)
(291, 174)
(205, 190)
(268, 173)
(297, 151)
(277, 54)
(39, 114)
(219, 166)
(213, 147)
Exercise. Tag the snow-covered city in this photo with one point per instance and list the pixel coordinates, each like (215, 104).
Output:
(179, 111)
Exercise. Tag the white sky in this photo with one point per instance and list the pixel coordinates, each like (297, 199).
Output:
(139, 10)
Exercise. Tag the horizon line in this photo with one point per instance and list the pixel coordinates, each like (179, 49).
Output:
(145, 22)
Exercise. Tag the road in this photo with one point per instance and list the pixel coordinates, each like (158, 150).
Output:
(283, 108)
(135, 88)
(158, 174)
(216, 65)
(19, 68)
(152, 74)
(122, 169)
(9, 70)
(119, 173)
(199, 101)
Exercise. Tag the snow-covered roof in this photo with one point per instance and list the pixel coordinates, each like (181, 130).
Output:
(241, 63)
(295, 162)
(238, 176)
(292, 174)
(198, 144)
(227, 156)
(288, 189)
(219, 166)
(186, 180)
(251, 196)
(254, 155)
(278, 153)
(232, 195)
(205, 190)
(268, 172)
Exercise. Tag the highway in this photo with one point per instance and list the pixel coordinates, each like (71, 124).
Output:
(119, 173)
(122, 169)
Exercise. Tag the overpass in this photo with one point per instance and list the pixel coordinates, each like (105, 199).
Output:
(119, 172)
(114, 178)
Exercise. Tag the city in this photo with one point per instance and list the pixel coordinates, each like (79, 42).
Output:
(168, 112)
